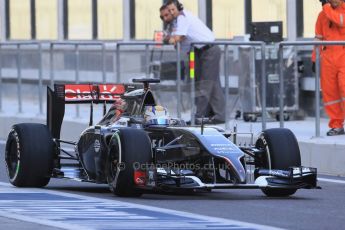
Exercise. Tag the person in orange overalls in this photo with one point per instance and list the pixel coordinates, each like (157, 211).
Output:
(330, 26)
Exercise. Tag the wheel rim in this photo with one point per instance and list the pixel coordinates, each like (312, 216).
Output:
(114, 162)
(267, 160)
(13, 159)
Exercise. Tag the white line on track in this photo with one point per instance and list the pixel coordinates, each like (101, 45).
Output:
(8, 188)
(331, 180)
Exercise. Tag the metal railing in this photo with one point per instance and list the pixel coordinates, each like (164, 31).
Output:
(147, 45)
(226, 44)
(317, 77)
(18, 46)
(40, 47)
(52, 48)
(76, 46)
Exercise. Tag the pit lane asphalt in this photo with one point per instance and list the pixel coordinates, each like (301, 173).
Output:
(307, 209)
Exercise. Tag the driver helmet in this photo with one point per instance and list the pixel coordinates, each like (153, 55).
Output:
(156, 115)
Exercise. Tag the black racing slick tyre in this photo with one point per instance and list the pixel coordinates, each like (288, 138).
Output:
(129, 149)
(281, 151)
(29, 155)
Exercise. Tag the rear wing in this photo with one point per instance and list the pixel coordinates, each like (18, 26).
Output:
(86, 93)
(78, 94)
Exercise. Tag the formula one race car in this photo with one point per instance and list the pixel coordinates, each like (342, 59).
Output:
(137, 148)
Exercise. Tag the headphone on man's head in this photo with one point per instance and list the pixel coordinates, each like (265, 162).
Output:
(178, 5)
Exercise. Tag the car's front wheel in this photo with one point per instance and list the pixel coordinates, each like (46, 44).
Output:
(281, 151)
(130, 153)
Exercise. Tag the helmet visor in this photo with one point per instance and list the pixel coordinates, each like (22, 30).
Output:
(158, 121)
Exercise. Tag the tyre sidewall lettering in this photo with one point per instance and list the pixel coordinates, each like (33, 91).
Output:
(267, 150)
(13, 136)
(117, 139)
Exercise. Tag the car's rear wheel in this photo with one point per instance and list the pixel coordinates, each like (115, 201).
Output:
(29, 155)
(130, 152)
(281, 151)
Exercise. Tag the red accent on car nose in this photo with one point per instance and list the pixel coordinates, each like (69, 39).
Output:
(139, 177)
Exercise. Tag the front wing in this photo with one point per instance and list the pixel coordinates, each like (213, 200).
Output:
(293, 178)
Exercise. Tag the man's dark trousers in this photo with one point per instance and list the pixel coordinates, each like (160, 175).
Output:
(208, 89)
